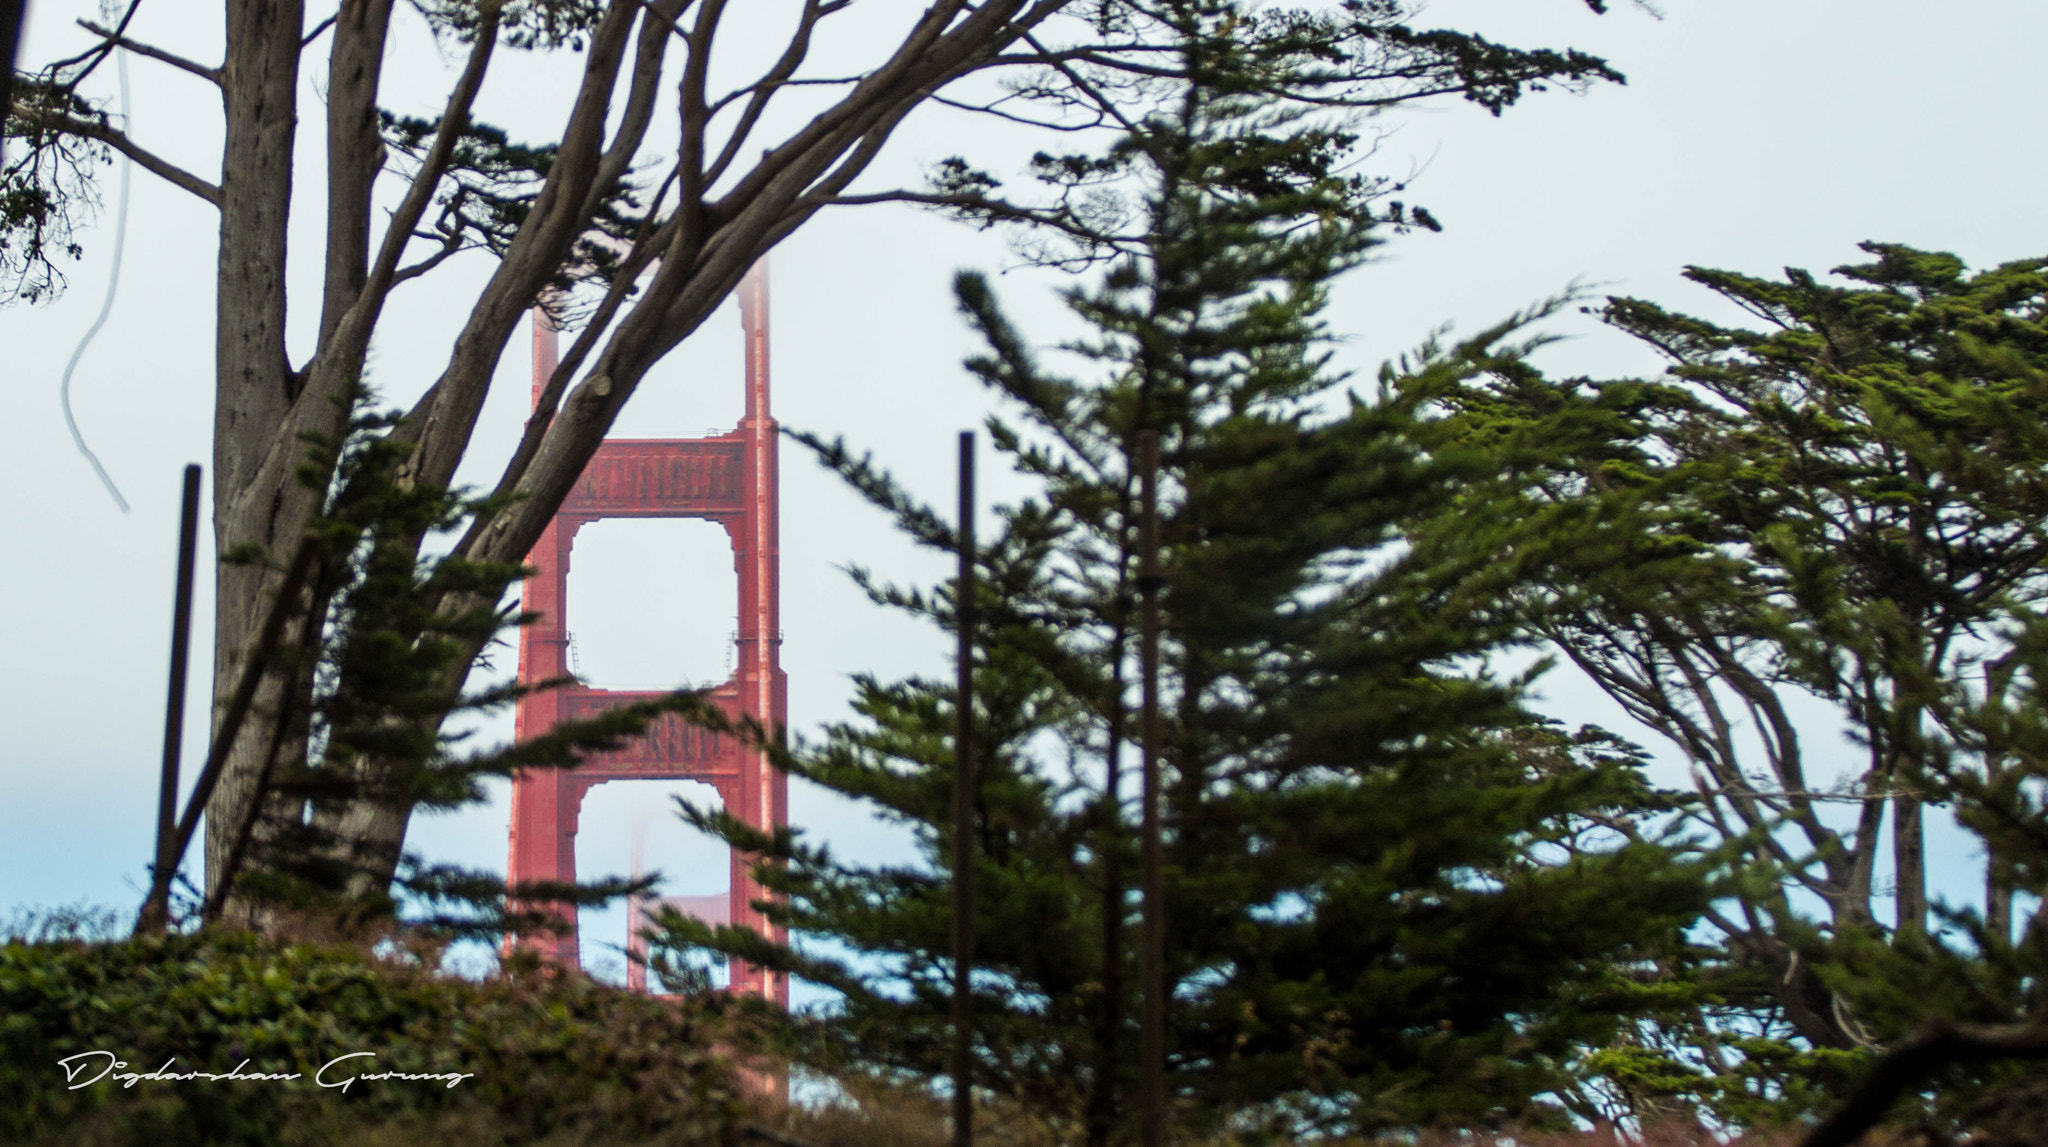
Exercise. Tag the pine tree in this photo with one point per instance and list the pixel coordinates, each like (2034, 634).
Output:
(1390, 900)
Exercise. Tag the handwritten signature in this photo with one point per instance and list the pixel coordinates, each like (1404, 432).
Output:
(111, 1067)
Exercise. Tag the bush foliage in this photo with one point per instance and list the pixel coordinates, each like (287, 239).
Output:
(548, 1055)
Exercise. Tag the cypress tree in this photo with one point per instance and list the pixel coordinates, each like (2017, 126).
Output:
(1837, 509)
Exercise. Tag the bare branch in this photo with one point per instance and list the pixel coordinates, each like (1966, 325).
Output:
(313, 35)
(119, 141)
(355, 153)
(918, 55)
(765, 88)
(726, 100)
(695, 121)
(668, 20)
(639, 112)
(1936, 1045)
(210, 75)
(91, 58)
(442, 420)
(450, 244)
(1058, 220)
(706, 247)
(1103, 103)
(645, 245)
(993, 110)
(454, 118)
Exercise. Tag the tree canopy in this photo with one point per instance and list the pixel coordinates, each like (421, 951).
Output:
(1390, 898)
(1836, 510)
(633, 232)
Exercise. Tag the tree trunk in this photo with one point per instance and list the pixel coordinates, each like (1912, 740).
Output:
(1909, 856)
(1852, 907)
(264, 409)
(257, 503)
(1997, 895)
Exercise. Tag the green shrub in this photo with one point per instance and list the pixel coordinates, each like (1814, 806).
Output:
(545, 1055)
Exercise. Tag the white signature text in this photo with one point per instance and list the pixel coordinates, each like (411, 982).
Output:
(335, 1072)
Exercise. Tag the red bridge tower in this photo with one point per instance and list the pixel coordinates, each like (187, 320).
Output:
(729, 479)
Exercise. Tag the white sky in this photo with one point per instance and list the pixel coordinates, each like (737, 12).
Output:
(1751, 135)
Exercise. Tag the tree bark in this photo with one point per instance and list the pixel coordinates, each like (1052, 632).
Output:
(1909, 857)
(258, 507)
(709, 249)
(355, 151)
(1997, 895)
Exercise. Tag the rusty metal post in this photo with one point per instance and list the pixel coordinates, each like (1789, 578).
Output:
(174, 708)
(963, 815)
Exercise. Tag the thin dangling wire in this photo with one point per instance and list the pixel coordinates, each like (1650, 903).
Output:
(107, 306)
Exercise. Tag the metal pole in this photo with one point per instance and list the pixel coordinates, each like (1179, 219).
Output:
(1152, 928)
(174, 707)
(155, 909)
(963, 814)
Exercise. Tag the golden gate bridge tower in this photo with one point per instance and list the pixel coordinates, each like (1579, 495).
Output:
(729, 479)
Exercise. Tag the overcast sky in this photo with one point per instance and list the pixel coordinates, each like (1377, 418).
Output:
(1751, 135)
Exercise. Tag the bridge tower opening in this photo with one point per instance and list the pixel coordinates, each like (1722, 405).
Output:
(731, 480)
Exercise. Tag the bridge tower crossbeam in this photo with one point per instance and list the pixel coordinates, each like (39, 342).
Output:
(729, 479)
